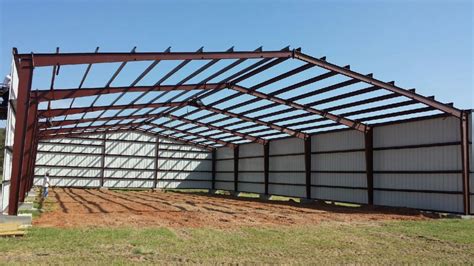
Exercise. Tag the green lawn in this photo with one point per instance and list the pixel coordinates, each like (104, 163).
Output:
(434, 241)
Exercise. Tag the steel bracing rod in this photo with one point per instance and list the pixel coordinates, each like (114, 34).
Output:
(116, 73)
(341, 120)
(135, 82)
(249, 119)
(349, 73)
(296, 98)
(227, 144)
(326, 100)
(54, 73)
(164, 78)
(186, 79)
(84, 77)
(60, 94)
(288, 111)
(260, 69)
(282, 90)
(46, 59)
(72, 135)
(64, 111)
(165, 92)
(218, 73)
(252, 68)
(348, 114)
(135, 117)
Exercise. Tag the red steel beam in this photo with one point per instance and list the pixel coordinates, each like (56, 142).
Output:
(25, 76)
(349, 73)
(249, 119)
(80, 134)
(27, 151)
(60, 94)
(341, 120)
(68, 111)
(202, 146)
(71, 130)
(465, 161)
(369, 165)
(49, 59)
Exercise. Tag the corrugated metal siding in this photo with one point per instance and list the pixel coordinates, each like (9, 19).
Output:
(251, 149)
(343, 161)
(427, 201)
(336, 141)
(341, 194)
(286, 146)
(128, 155)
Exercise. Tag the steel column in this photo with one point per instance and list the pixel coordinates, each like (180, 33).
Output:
(369, 165)
(24, 87)
(213, 181)
(465, 160)
(29, 141)
(236, 168)
(102, 160)
(307, 165)
(266, 165)
(155, 174)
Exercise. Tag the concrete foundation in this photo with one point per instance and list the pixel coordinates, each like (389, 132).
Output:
(23, 218)
(26, 206)
(264, 197)
(306, 201)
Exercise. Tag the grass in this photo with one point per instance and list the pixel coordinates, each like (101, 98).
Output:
(434, 241)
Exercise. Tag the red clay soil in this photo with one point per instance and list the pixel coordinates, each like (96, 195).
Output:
(107, 208)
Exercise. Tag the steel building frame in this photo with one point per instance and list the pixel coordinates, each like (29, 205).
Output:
(231, 127)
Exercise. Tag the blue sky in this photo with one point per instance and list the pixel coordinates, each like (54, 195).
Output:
(427, 45)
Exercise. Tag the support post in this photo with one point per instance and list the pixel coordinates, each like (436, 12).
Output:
(307, 165)
(102, 160)
(213, 177)
(369, 165)
(155, 176)
(27, 151)
(266, 165)
(465, 160)
(236, 168)
(24, 87)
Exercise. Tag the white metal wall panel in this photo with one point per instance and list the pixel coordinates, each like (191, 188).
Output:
(128, 184)
(340, 194)
(426, 159)
(251, 164)
(339, 179)
(253, 188)
(225, 165)
(289, 178)
(441, 182)
(128, 162)
(9, 135)
(185, 175)
(184, 164)
(130, 136)
(251, 177)
(183, 155)
(286, 146)
(428, 131)
(287, 163)
(69, 182)
(184, 184)
(224, 185)
(169, 146)
(85, 142)
(334, 141)
(129, 148)
(251, 149)
(65, 171)
(225, 176)
(53, 147)
(342, 161)
(285, 190)
(427, 201)
(129, 174)
(224, 153)
(48, 159)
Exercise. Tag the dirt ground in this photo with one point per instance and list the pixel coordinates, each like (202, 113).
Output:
(108, 208)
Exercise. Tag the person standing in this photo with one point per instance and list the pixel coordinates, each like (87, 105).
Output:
(45, 185)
